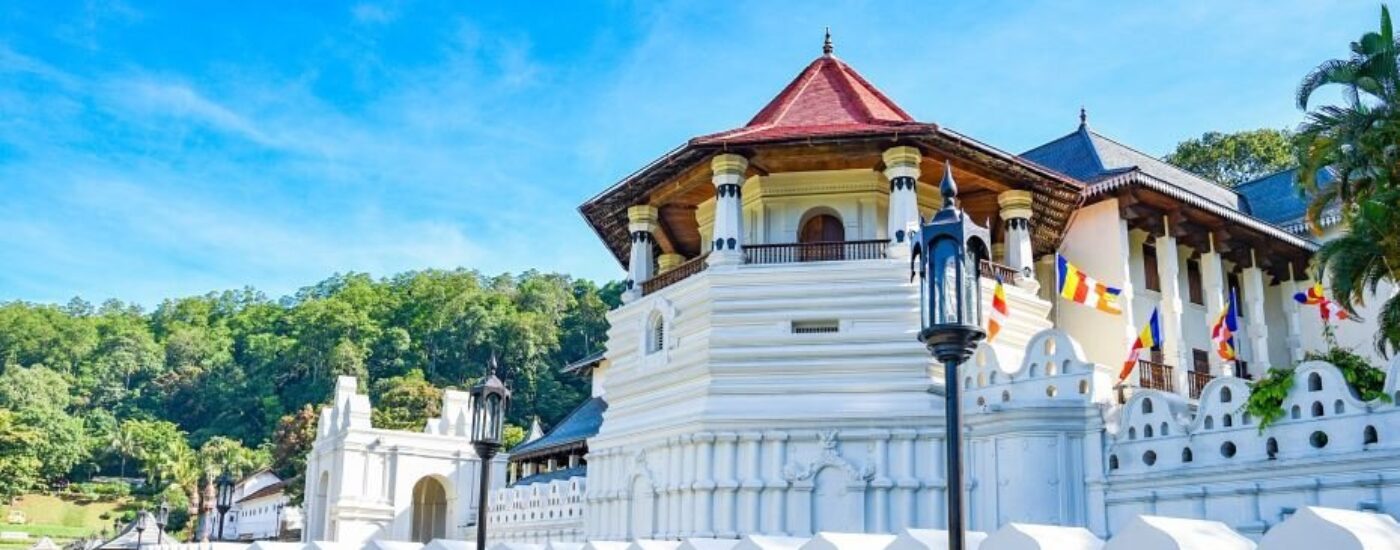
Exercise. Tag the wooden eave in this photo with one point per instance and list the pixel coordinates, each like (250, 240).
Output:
(679, 180)
(1155, 206)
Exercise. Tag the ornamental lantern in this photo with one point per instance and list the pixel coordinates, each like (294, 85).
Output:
(224, 500)
(162, 519)
(951, 249)
(490, 398)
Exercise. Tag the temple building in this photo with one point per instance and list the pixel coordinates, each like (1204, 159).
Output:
(763, 375)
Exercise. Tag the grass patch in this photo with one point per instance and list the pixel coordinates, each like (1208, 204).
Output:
(62, 519)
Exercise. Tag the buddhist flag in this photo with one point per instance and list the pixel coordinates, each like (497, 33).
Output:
(1223, 332)
(1000, 314)
(1083, 289)
(1325, 307)
(1150, 338)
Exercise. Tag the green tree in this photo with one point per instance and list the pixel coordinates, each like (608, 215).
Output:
(1356, 142)
(405, 402)
(19, 465)
(290, 444)
(1237, 157)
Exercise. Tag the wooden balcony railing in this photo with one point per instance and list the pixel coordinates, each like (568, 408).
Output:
(1196, 381)
(1154, 376)
(992, 270)
(676, 275)
(788, 253)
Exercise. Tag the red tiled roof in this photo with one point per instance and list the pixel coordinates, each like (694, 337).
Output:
(828, 98)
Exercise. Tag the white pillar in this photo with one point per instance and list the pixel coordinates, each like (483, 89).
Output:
(1016, 215)
(726, 484)
(1214, 287)
(1173, 342)
(1254, 312)
(1131, 324)
(704, 486)
(902, 169)
(728, 239)
(750, 481)
(641, 221)
(775, 491)
(1290, 315)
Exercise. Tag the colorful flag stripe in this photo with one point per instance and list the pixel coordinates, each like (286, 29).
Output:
(1080, 288)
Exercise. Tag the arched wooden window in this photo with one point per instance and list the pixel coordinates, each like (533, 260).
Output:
(822, 228)
(824, 233)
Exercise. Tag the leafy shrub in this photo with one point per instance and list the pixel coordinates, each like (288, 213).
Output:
(1267, 394)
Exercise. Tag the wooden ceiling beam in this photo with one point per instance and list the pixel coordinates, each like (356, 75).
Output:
(664, 238)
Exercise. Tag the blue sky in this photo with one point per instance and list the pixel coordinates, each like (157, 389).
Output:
(152, 150)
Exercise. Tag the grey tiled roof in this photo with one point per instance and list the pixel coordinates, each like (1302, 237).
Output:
(1275, 198)
(1089, 156)
(564, 473)
(580, 425)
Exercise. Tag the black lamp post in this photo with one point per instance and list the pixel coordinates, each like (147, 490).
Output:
(140, 527)
(277, 527)
(490, 399)
(223, 501)
(952, 248)
(162, 516)
(201, 526)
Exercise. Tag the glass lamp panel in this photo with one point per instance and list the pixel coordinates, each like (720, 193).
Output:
(971, 288)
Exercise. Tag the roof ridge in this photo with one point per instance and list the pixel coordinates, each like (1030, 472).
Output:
(1165, 163)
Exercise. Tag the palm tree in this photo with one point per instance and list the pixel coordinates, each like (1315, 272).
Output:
(1354, 141)
(1358, 144)
(1369, 254)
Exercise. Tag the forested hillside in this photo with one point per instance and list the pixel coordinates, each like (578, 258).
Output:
(231, 380)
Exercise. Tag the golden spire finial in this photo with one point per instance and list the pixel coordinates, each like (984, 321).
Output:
(827, 48)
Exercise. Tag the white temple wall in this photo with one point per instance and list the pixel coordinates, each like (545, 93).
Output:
(1095, 242)
(1337, 451)
(741, 425)
(360, 480)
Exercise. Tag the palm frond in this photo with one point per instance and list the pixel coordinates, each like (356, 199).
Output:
(1333, 71)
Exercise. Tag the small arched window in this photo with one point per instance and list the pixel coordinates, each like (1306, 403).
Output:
(1271, 447)
(1370, 436)
(1225, 395)
(1147, 431)
(1318, 409)
(1210, 422)
(1227, 421)
(656, 336)
(1165, 431)
(1295, 413)
(1146, 406)
(1132, 434)
(1186, 455)
(1314, 382)
(1112, 462)
(1338, 407)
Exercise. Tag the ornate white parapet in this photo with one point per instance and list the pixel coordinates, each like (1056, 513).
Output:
(539, 512)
